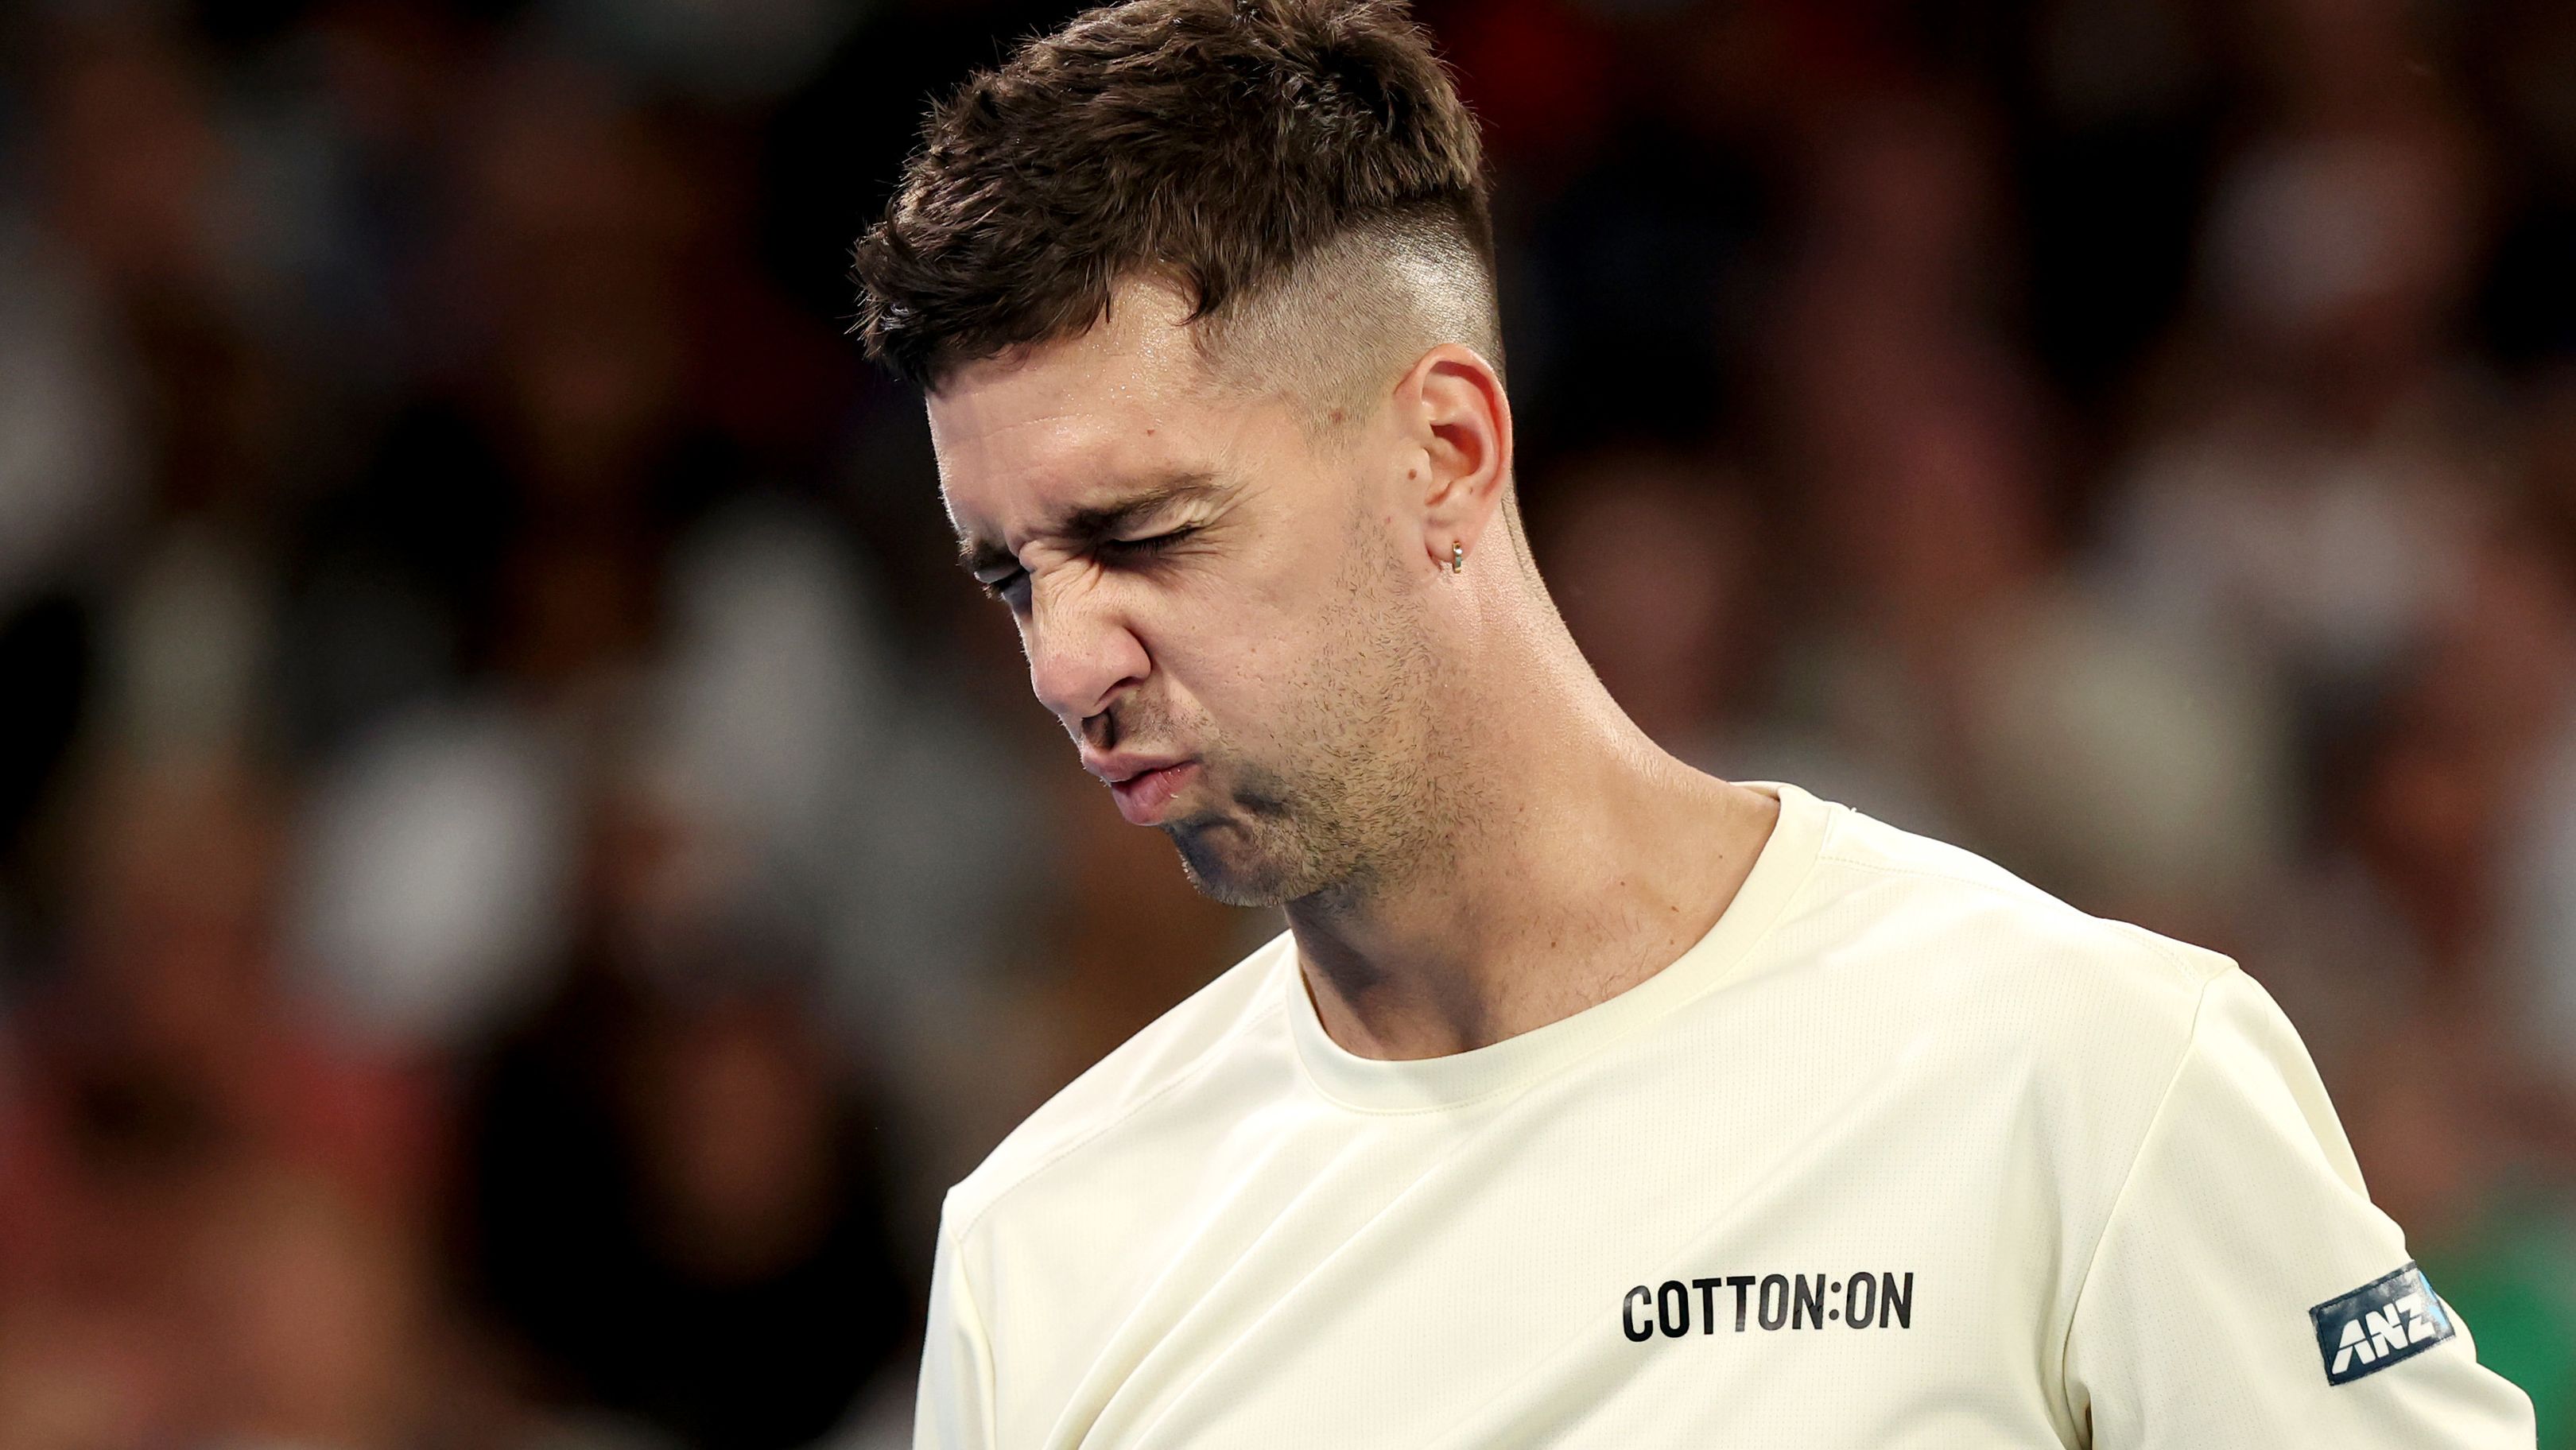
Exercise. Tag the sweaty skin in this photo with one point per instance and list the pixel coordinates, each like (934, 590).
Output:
(1243, 615)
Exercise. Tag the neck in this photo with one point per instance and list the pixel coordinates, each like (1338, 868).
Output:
(1578, 860)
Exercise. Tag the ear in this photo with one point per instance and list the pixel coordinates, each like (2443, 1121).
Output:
(1457, 430)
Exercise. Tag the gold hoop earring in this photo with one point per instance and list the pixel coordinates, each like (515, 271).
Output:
(1457, 557)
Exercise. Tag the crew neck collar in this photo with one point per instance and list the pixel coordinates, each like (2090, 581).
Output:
(1425, 1084)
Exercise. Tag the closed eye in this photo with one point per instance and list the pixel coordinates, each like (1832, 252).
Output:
(1011, 587)
(1132, 550)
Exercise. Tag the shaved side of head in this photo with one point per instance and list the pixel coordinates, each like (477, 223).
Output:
(1337, 331)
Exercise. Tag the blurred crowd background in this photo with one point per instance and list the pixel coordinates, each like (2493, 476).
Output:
(525, 870)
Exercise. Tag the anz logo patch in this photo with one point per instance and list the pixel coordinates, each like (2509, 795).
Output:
(2388, 1319)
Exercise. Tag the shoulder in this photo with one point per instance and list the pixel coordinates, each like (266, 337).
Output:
(1137, 1084)
(2070, 1032)
(1971, 913)
(1952, 938)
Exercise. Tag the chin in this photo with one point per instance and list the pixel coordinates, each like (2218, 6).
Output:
(1229, 869)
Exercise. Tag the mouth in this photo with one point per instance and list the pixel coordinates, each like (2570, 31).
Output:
(1145, 796)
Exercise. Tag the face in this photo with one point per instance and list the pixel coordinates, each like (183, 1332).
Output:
(1217, 604)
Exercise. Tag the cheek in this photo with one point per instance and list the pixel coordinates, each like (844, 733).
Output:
(1221, 668)
(1246, 661)
(1254, 638)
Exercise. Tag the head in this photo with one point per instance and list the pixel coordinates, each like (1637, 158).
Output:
(1201, 296)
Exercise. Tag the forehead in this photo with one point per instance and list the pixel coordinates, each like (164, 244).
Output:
(1045, 425)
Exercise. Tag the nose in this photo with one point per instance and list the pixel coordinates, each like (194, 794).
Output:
(1082, 656)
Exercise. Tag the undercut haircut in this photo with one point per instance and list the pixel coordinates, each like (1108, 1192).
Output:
(1303, 171)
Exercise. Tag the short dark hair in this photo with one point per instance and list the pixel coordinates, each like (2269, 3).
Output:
(1222, 145)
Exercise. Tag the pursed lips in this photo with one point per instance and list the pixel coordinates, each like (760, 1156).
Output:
(1144, 785)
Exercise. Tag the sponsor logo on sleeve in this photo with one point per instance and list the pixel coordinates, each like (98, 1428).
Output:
(2389, 1319)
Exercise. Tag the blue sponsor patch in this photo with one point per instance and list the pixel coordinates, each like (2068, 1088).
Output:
(2386, 1320)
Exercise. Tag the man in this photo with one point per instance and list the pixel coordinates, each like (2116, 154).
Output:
(1587, 1100)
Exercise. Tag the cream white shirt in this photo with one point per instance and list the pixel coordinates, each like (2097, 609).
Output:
(1903, 1153)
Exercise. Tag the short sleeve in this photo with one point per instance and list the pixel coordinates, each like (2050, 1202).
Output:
(2246, 1292)
(953, 1409)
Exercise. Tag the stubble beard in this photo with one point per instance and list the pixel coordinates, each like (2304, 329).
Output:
(1345, 806)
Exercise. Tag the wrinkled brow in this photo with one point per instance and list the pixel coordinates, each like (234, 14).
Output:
(1091, 523)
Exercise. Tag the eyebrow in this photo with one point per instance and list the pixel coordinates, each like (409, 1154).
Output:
(1090, 524)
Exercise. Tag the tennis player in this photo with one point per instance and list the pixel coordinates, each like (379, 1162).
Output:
(1588, 1100)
